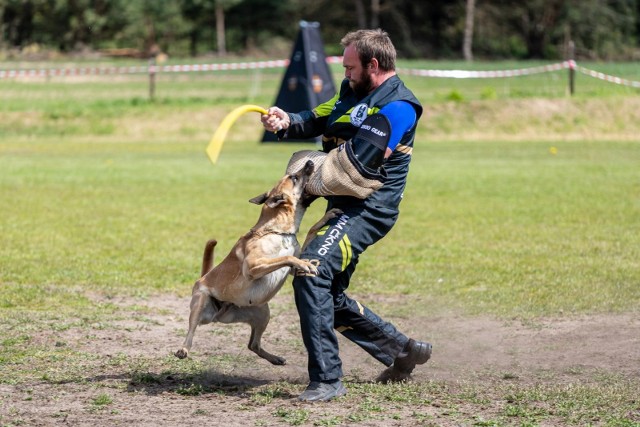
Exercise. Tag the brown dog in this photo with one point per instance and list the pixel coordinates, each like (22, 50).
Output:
(240, 287)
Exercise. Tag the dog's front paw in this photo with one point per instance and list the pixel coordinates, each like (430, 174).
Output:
(182, 353)
(332, 213)
(306, 268)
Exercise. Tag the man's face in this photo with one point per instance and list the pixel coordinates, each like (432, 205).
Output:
(359, 77)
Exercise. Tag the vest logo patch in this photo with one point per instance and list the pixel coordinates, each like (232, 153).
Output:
(358, 114)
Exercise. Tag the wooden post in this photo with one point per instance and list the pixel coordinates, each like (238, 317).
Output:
(572, 67)
(152, 77)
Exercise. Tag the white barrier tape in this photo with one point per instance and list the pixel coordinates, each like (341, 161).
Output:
(608, 78)
(151, 69)
(222, 67)
(463, 74)
(53, 72)
(453, 74)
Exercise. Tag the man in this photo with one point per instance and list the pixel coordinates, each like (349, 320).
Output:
(377, 115)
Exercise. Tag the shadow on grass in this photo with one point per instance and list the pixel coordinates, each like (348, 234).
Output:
(207, 382)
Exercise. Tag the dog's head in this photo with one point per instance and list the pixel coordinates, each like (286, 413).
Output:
(289, 190)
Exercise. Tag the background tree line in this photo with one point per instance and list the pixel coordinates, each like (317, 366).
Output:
(491, 29)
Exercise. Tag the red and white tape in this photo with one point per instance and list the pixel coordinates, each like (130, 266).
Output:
(55, 72)
(149, 69)
(464, 74)
(608, 78)
(281, 63)
(219, 67)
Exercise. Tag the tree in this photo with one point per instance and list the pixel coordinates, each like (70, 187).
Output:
(255, 24)
(361, 14)
(221, 38)
(375, 13)
(608, 29)
(220, 30)
(153, 25)
(468, 30)
(521, 30)
(196, 14)
(16, 22)
(2, 24)
(603, 29)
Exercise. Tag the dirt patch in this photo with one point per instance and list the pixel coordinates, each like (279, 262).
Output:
(465, 350)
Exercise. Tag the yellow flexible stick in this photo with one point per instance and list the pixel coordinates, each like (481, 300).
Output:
(215, 145)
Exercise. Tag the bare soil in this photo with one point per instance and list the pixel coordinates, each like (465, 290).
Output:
(466, 350)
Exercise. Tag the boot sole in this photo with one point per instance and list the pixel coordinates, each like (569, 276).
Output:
(424, 354)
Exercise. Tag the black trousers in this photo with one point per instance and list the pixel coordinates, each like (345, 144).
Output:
(322, 303)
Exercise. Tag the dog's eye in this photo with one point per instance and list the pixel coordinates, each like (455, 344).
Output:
(294, 178)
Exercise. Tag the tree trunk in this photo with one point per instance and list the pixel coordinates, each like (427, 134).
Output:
(220, 30)
(375, 13)
(361, 14)
(468, 31)
(1, 27)
(150, 42)
(193, 43)
(536, 22)
(405, 42)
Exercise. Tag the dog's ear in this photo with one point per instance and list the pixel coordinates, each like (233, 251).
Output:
(274, 201)
(258, 200)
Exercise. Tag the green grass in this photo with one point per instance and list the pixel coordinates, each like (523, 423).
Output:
(521, 203)
(512, 206)
(506, 228)
(513, 229)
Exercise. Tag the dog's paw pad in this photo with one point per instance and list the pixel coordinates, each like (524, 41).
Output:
(311, 270)
(305, 268)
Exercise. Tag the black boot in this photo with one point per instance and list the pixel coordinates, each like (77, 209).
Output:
(414, 353)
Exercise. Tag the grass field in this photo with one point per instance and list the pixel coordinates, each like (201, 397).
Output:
(523, 203)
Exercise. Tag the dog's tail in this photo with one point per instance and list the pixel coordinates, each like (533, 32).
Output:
(207, 257)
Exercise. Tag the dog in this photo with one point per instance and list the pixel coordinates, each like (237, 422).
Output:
(239, 288)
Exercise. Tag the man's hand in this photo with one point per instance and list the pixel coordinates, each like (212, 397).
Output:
(275, 120)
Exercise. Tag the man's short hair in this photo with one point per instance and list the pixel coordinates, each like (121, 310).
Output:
(372, 44)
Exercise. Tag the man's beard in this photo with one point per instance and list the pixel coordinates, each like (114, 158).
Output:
(364, 86)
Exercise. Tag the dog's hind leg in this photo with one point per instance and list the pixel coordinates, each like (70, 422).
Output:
(258, 318)
(202, 311)
(259, 321)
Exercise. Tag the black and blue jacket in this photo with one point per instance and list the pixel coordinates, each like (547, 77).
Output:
(339, 119)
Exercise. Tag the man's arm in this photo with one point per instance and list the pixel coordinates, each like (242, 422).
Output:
(305, 124)
(402, 118)
(380, 133)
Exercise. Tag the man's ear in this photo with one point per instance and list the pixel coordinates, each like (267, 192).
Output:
(274, 201)
(374, 64)
(258, 200)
